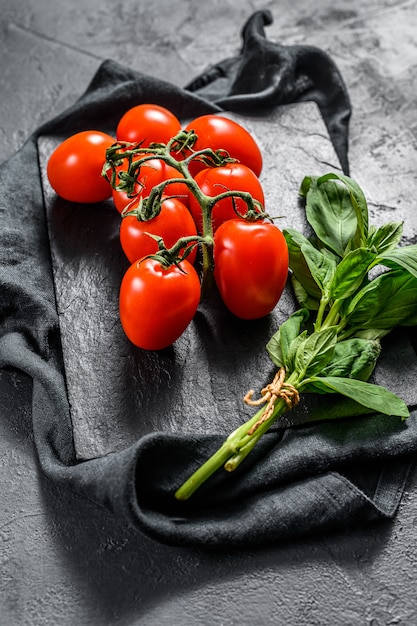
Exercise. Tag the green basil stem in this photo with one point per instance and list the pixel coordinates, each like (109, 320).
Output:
(229, 449)
(311, 357)
(333, 316)
(249, 442)
(320, 313)
(234, 450)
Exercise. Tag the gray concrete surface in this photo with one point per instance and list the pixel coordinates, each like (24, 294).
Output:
(63, 561)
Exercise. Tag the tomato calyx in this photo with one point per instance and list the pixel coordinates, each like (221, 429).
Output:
(254, 208)
(183, 143)
(211, 158)
(143, 209)
(126, 179)
(136, 155)
(167, 257)
(133, 156)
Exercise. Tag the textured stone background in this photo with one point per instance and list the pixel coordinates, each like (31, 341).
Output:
(62, 560)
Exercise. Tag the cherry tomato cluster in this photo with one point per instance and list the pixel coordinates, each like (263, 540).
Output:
(192, 207)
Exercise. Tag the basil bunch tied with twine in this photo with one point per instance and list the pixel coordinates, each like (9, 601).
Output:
(354, 284)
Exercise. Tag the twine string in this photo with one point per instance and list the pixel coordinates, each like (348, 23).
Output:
(278, 388)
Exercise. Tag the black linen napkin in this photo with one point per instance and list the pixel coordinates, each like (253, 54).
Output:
(309, 478)
(266, 74)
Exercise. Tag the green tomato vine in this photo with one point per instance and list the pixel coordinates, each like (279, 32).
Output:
(171, 154)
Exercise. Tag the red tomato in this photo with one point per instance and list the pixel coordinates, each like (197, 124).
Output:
(216, 180)
(157, 303)
(173, 221)
(146, 124)
(152, 173)
(217, 133)
(74, 168)
(251, 266)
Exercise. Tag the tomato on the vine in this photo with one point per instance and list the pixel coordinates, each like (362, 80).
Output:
(221, 133)
(151, 173)
(172, 222)
(216, 180)
(74, 168)
(146, 124)
(157, 303)
(251, 266)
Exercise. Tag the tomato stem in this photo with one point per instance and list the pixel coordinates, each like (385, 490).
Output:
(178, 252)
(136, 155)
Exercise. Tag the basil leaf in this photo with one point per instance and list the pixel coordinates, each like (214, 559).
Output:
(405, 257)
(331, 215)
(303, 298)
(369, 395)
(338, 408)
(372, 334)
(315, 352)
(353, 358)
(305, 185)
(290, 329)
(351, 273)
(385, 237)
(274, 349)
(337, 212)
(279, 346)
(331, 256)
(359, 204)
(297, 344)
(321, 267)
(298, 263)
(388, 301)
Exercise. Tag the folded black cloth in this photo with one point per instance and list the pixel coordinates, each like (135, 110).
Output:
(266, 74)
(301, 480)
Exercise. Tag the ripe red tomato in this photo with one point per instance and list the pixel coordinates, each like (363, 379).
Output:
(216, 180)
(173, 221)
(251, 266)
(74, 168)
(157, 303)
(146, 124)
(217, 132)
(152, 173)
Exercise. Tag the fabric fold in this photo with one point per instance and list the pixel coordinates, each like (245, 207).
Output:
(289, 74)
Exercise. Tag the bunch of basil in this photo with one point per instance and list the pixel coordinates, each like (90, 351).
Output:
(354, 284)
